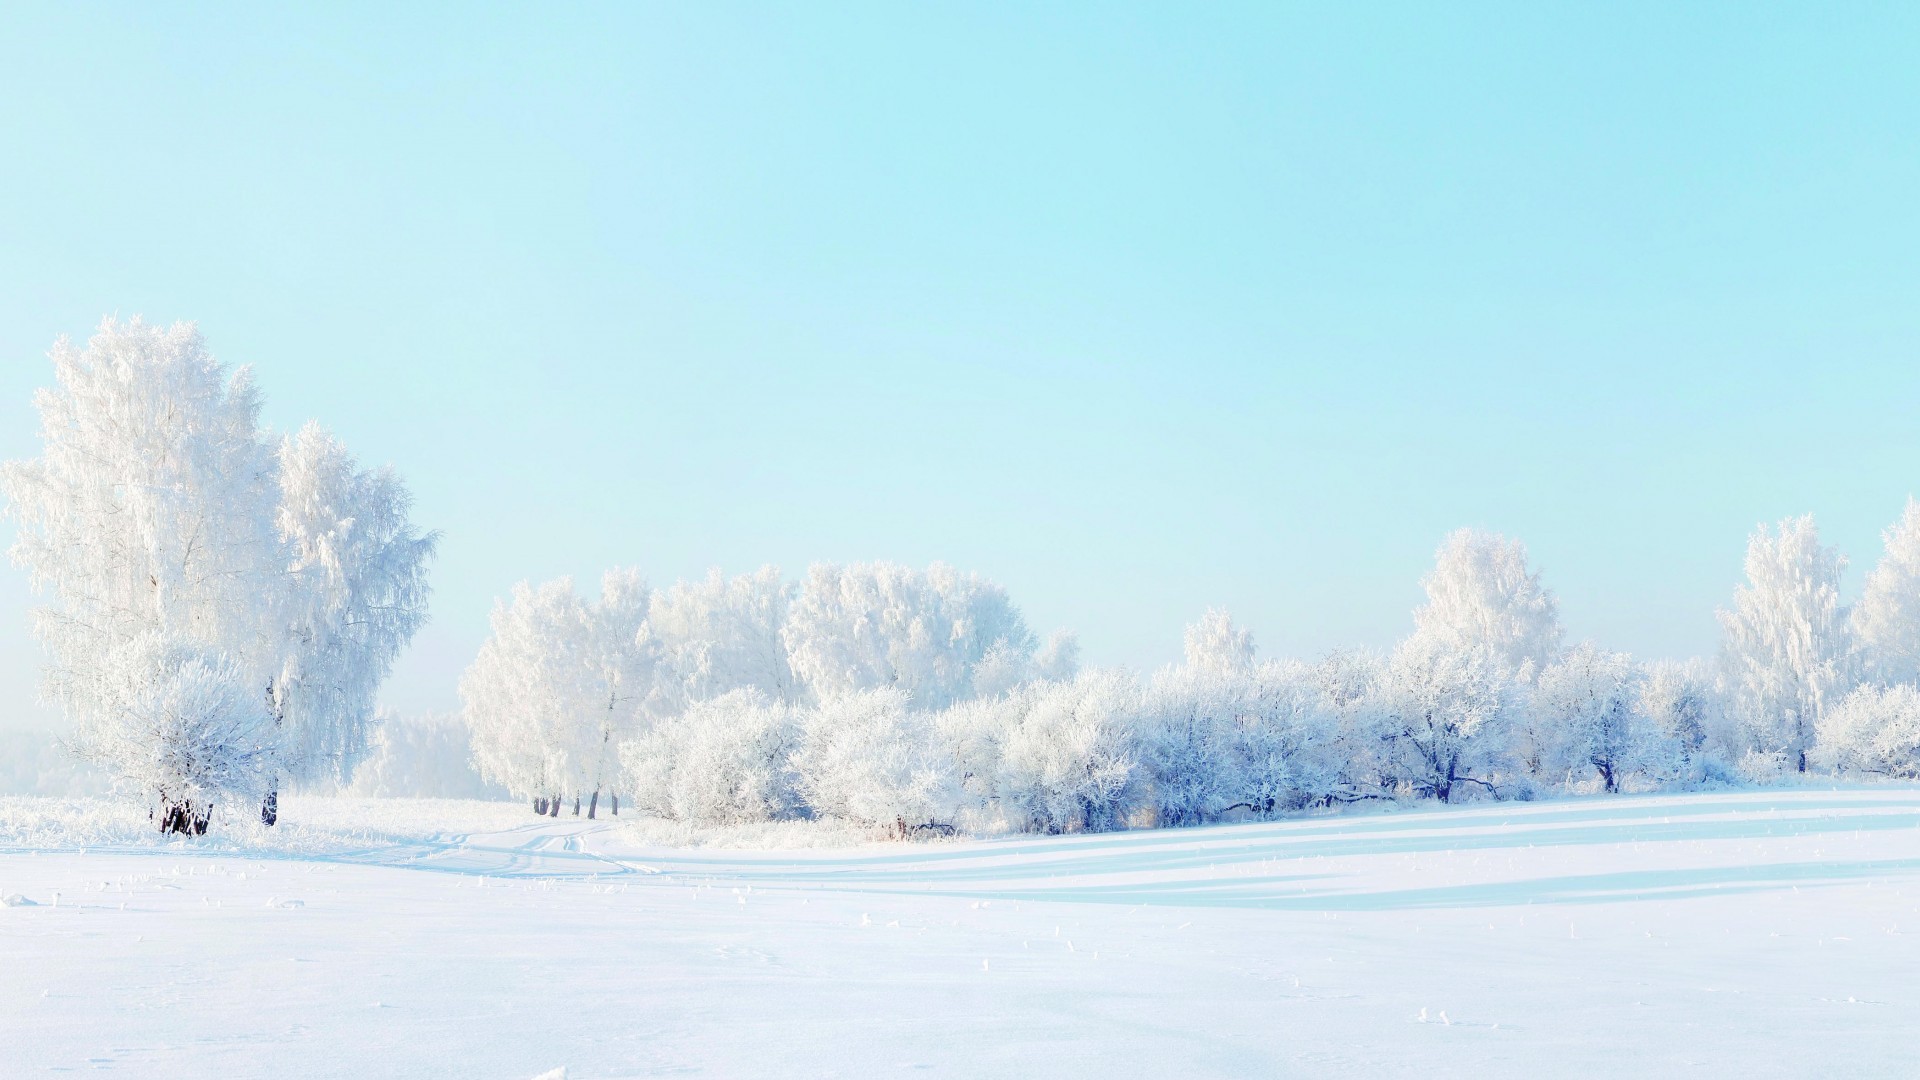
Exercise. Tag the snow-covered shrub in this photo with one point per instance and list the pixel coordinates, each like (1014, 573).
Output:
(191, 730)
(730, 761)
(870, 758)
(1070, 756)
(1875, 729)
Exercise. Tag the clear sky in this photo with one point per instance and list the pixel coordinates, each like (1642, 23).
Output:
(1135, 310)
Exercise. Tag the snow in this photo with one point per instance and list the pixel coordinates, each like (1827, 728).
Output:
(1753, 933)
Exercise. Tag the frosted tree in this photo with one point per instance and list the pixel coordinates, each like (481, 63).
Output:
(879, 625)
(1445, 714)
(1785, 645)
(1215, 645)
(356, 595)
(718, 635)
(188, 729)
(1069, 760)
(1481, 595)
(1886, 621)
(557, 688)
(1588, 701)
(872, 759)
(1874, 730)
(1683, 704)
(724, 761)
(165, 524)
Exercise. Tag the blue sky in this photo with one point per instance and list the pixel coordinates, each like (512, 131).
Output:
(1134, 309)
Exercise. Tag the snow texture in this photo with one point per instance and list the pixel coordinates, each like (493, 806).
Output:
(1754, 933)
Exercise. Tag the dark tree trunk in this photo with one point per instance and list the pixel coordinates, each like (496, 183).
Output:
(184, 818)
(553, 807)
(616, 805)
(576, 806)
(539, 807)
(593, 806)
(270, 808)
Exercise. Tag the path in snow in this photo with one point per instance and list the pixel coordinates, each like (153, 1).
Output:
(1758, 933)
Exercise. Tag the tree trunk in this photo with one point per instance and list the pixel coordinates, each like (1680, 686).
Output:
(553, 807)
(270, 808)
(593, 806)
(616, 806)
(576, 806)
(184, 818)
(539, 806)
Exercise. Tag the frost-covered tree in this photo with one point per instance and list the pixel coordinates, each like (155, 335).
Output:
(1886, 621)
(1481, 595)
(1588, 701)
(1259, 740)
(1068, 755)
(357, 577)
(872, 759)
(1785, 648)
(160, 513)
(1876, 730)
(1215, 645)
(725, 761)
(719, 635)
(879, 625)
(1684, 704)
(557, 688)
(1445, 714)
(190, 728)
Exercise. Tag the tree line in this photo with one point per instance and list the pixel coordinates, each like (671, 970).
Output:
(224, 603)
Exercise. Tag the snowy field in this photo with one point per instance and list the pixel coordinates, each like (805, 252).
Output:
(1763, 933)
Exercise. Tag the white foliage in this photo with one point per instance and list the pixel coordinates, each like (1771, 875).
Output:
(557, 687)
(1481, 595)
(358, 593)
(1446, 714)
(1069, 758)
(160, 511)
(870, 758)
(718, 635)
(879, 625)
(1886, 621)
(1590, 701)
(1875, 729)
(1786, 648)
(1215, 645)
(190, 728)
(724, 762)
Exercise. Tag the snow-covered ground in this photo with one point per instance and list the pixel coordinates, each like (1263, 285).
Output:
(1762, 933)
